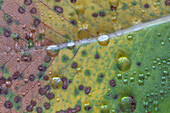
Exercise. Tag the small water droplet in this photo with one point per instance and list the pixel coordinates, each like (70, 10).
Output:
(140, 82)
(127, 104)
(80, 10)
(125, 81)
(71, 45)
(8, 84)
(52, 50)
(103, 40)
(56, 83)
(105, 109)
(130, 37)
(83, 33)
(119, 76)
(123, 64)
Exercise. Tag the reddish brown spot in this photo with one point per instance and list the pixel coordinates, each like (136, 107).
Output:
(33, 103)
(21, 10)
(26, 58)
(36, 22)
(167, 2)
(50, 95)
(42, 91)
(81, 87)
(102, 14)
(46, 78)
(7, 33)
(31, 77)
(47, 59)
(29, 108)
(58, 9)
(42, 68)
(46, 105)
(74, 65)
(97, 56)
(39, 110)
(113, 8)
(27, 2)
(33, 10)
(95, 15)
(17, 99)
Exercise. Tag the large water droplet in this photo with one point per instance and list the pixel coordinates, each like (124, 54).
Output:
(123, 64)
(103, 40)
(80, 10)
(52, 50)
(83, 33)
(127, 104)
(56, 83)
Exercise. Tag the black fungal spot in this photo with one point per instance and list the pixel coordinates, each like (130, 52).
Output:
(167, 2)
(29, 108)
(21, 10)
(112, 83)
(58, 9)
(17, 99)
(39, 110)
(33, 10)
(87, 90)
(73, 1)
(102, 14)
(7, 33)
(36, 22)
(95, 15)
(26, 58)
(47, 59)
(42, 68)
(31, 77)
(73, 22)
(8, 105)
(81, 87)
(146, 6)
(74, 65)
(33, 103)
(27, 2)
(50, 95)
(46, 105)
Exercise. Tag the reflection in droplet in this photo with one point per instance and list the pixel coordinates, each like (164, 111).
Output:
(52, 50)
(123, 64)
(105, 109)
(127, 104)
(71, 45)
(103, 40)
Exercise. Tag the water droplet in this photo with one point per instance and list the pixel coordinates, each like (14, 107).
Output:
(8, 84)
(83, 33)
(80, 10)
(141, 76)
(105, 109)
(124, 64)
(141, 82)
(130, 37)
(56, 83)
(125, 81)
(119, 76)
(127, 104)
(114, 3)
(71, 45)
(103, 40)
(131, 79)
(52, 50)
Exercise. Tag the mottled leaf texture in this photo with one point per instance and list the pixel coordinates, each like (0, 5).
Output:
(84, 56)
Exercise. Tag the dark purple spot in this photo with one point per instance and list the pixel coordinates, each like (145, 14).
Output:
(39, 110)
(74, 65)
(87, 90)
(27, 2)
(31, 77)
(57, 0)
(77, 108)
(33, 10)
(17, 99)
(5, 92)
(47, 59)
(21, 10)
(47, 87)
(42, 68)
(97, 56)
(46, 105)
(70, 81)
(33, 103)
(36, 22)
(139, 63)
(26, 58)
(113, 8)
(112, 83)
(101, 76)
(73, 1)
(102, 14)
(2, 80)
(46, 78)
(81, 87)
(42, 91)
(29, 108)
(167, 2)
(146, 6)
(50, 95)
(7, 33)
(28, 37)
(58, 9)
(95, 15)
(8, 104)
(73, 22)
(9, 21)
(115, 97)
